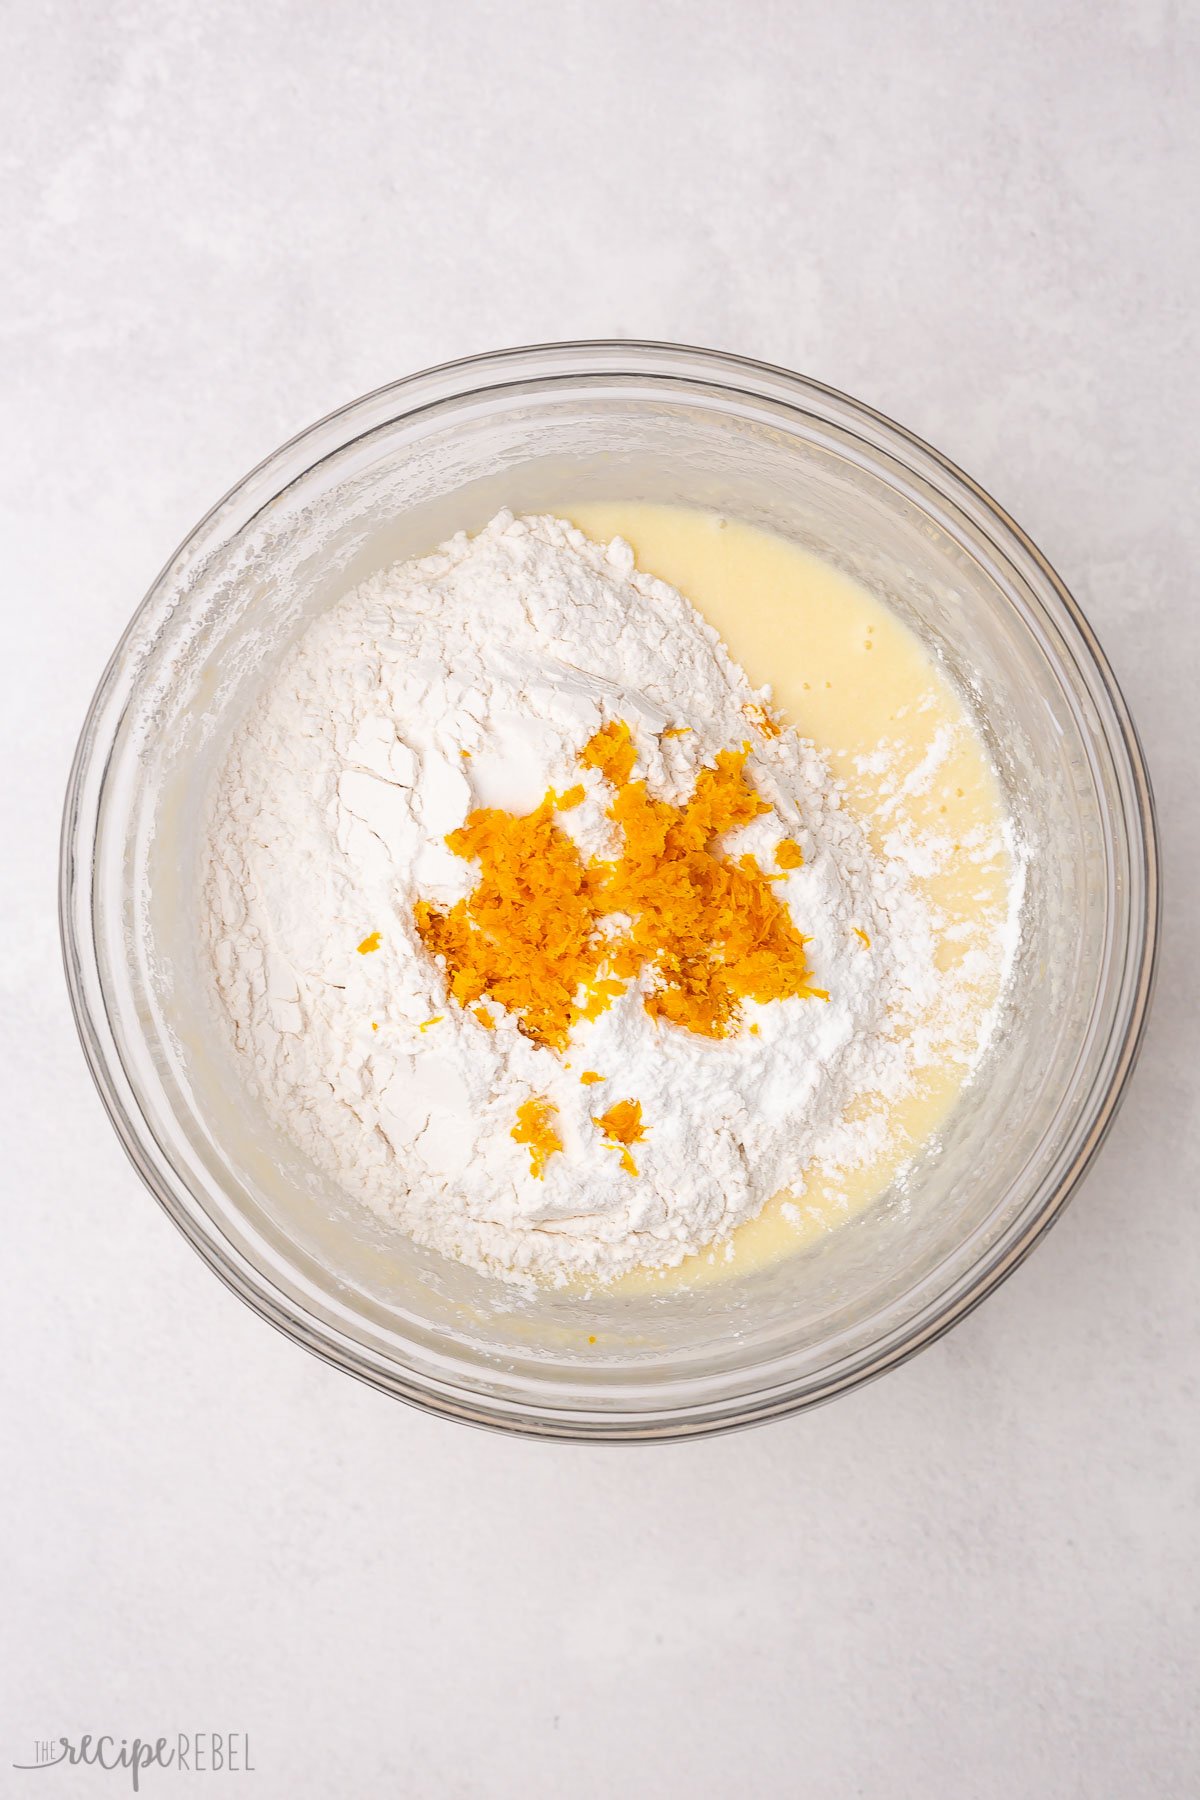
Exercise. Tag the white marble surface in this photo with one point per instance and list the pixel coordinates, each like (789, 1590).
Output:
(977, 1578)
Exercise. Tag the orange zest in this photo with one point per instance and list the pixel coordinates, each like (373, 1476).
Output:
(370, 942)
(788, 854)
(622, 1126)
(533, 1127)
(860, 933)
(528, 935)
(612, 751)
(589, 1078)
(758, 715)
(710, 931)
(555, 939)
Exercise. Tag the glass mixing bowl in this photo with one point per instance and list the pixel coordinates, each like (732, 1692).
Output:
(536, 429)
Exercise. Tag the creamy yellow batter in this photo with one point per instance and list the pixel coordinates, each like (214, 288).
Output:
(855, 680)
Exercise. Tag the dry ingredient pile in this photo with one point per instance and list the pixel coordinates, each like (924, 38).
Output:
(539, 934)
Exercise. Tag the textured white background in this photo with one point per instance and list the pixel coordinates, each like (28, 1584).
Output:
(979, 1577)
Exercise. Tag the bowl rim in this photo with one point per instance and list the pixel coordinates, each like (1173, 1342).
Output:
(77, 871)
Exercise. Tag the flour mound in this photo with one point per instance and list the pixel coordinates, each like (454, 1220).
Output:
(473, 678)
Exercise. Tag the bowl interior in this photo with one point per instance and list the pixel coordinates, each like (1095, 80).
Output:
(392, 482)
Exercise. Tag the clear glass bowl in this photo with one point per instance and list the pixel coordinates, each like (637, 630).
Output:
(536, 429)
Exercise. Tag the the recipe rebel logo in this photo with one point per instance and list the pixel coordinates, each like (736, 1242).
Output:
(199, 1753)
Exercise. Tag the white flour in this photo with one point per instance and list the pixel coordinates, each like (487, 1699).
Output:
(328, 822)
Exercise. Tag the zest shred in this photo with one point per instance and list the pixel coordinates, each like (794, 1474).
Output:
(622, 1126)
(534, 1127)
